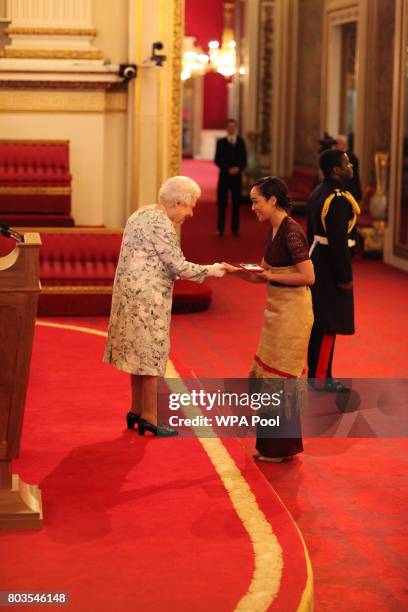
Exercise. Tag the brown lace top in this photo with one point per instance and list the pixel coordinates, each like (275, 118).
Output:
(288, 247)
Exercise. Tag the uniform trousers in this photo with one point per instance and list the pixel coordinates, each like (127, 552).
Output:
(320, 354)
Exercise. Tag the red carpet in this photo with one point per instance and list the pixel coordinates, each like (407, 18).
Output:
(381, 295)
(198, 238)
(205, 173)
(137, 523)
(347, 496)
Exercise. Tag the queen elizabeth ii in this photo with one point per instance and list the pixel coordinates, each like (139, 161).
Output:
(150, 261)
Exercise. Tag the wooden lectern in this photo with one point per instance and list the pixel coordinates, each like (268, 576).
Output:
(20, 503)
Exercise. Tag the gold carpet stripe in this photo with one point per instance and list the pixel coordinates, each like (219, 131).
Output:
(306, 602)
(268, 560)
(86, 330)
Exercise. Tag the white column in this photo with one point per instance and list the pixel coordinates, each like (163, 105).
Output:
(270, 54)
(39, 27)
(50, 13)
(284, 109)
(250, 59)
(155, 112)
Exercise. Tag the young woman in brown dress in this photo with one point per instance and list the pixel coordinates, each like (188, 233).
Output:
(281, 356)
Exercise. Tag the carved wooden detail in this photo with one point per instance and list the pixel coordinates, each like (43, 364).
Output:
(266, 79)
(175, 142)
(20, 504)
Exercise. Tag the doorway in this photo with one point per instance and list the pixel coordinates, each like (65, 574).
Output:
(342, 78)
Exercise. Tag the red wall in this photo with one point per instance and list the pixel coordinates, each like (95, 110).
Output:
(204, 20)
(215, 107)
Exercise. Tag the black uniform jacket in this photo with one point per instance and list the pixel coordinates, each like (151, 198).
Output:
(228, 155)
(333, 307)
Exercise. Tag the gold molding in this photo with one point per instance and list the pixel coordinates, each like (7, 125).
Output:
(132, 200)
(51, 31)
(73, 230)
(396, 252)
(63, 85)
(342, 15)
(52, 54)
(266, 80)
(35, 190)
(31, 141)
(161, 105)
(69, 289)
(177, 29)
(87, 101)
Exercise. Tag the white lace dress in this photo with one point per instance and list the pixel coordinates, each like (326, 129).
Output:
(150, 260)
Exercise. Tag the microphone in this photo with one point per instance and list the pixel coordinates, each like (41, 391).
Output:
(8, 232)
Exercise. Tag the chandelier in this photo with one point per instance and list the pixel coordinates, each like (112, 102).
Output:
(195, 61)
(221, 59)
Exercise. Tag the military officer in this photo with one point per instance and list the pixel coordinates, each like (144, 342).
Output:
(331, 217)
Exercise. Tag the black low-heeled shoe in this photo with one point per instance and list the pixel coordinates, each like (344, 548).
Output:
(331, 385)
(163, 432)
(131, 419)
(335, 386)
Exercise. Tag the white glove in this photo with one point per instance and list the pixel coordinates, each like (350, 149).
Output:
(216, 269)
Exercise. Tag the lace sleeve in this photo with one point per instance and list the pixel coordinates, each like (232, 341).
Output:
(298, 247)
(164, 240)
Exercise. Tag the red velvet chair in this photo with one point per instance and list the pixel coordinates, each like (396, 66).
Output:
(35, 183)
(77, 269)
(301, 184)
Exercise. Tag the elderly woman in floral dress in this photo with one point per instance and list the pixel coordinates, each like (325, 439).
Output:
(150, 261)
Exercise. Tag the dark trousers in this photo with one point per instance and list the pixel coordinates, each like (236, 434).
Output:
(320, 354)
(226, 184)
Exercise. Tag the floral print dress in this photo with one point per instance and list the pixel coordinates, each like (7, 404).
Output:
(150, 260)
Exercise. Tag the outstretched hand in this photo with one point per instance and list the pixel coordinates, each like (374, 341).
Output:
(216, 270)
(245, 275)
(230, 268)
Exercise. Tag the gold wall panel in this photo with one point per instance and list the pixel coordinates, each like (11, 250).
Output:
(52, 54)
(51, 31)
(62, 102)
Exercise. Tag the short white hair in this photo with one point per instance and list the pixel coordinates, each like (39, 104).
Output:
(180, 189)
(341, 141)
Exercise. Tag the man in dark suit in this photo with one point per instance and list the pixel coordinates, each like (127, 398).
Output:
(331, 219)
(231, 159)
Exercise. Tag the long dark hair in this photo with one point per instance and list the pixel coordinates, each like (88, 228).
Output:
(269, 186)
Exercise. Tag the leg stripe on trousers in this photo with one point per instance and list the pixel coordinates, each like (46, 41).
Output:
(324, 355)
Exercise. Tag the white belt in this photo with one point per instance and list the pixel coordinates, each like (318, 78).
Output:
(323, 240)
